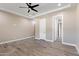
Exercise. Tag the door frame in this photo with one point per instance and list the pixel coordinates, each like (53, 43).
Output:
(53, 27)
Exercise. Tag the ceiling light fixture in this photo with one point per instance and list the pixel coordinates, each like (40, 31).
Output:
(59, 4)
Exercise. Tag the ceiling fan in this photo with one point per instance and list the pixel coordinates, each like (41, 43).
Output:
(30, 7)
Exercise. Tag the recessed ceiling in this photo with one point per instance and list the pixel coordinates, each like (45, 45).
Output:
(42, 8)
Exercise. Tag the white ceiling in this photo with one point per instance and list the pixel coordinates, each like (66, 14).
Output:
(42, 8)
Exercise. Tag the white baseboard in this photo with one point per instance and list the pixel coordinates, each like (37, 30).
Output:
(49, 40)
(44, 39)
(16, 40)
(77, 49)
(37, 38)
(70, 44)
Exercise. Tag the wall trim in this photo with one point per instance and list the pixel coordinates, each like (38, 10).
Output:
(55, 10)
(16, 13)
(70, 44)
(32, 17)
(44, 40)
(15, 40)
(77, 49)
(49, 40)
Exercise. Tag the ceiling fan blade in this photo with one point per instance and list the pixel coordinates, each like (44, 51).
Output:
(35, 5)
(30, 3)
(28, 11)
(31, 7)
(22, 7)
(34, 10)
(27, 4)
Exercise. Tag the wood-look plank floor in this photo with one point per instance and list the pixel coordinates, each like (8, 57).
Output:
(33, 47)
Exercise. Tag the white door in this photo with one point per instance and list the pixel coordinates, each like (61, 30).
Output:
(42, 28)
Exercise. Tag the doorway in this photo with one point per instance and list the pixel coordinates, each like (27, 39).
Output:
(42, 29)
(58, 28)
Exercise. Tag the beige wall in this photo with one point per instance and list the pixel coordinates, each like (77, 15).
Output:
(68, 24)
(77, 25)
(14, 27)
